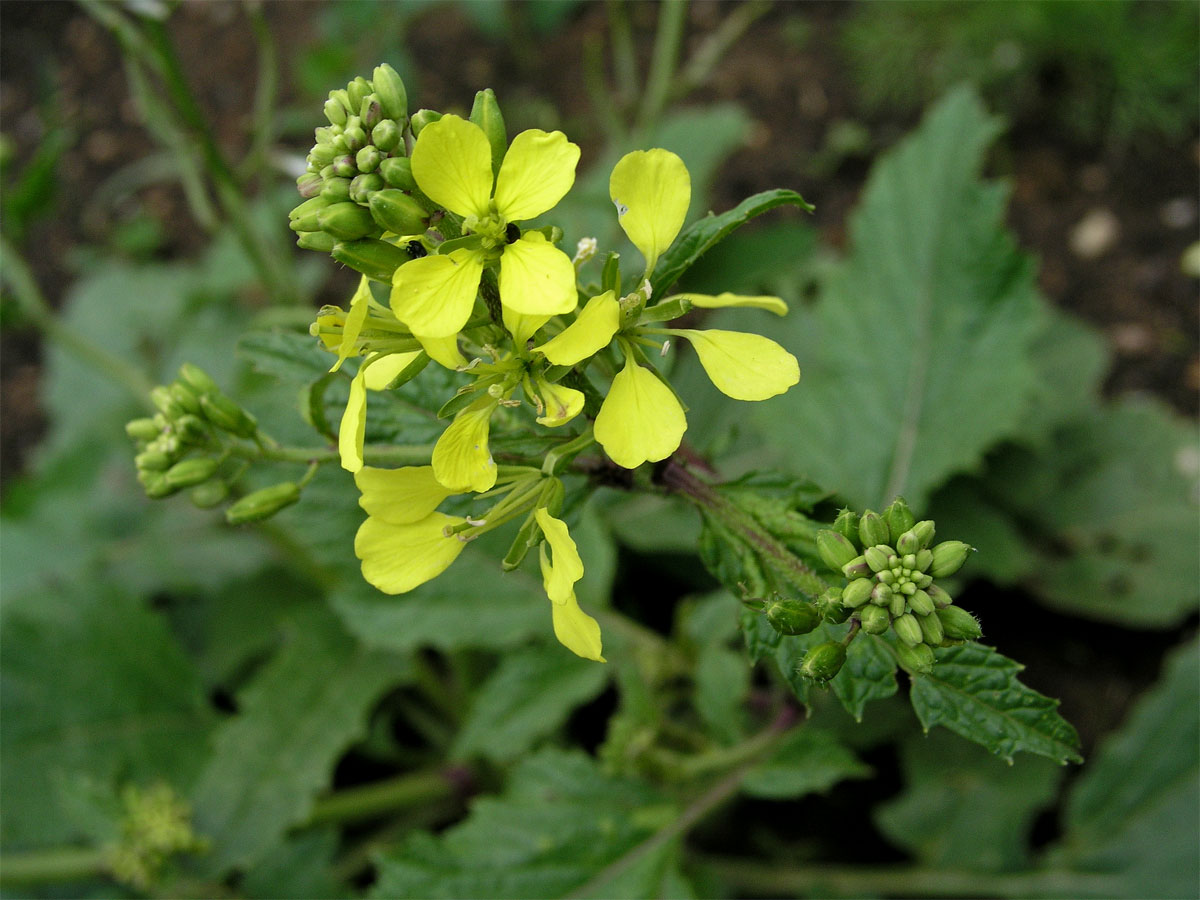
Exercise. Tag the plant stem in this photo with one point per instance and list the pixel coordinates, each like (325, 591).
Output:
(60, 864)
(371, 800)
(416, 454)
(29, 297)
(713, 503)
(753, 877)
(671, 19)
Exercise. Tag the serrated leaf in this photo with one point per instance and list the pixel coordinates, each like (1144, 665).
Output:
(527, 697)
(974, 692)
(1135, 810)
(706, 233)
(915, 359)
(295, 719)
(809, 760)
(962, 808)
(869, 673)
(288, 355)
(560, 827)
(93, 686)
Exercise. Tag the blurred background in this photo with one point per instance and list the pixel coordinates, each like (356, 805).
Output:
(154, 223)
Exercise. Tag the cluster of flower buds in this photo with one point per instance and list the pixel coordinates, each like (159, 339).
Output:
(891, 564)
(187, 443)
(155, 826)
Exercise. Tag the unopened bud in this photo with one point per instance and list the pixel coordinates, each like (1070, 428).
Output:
(390, 89)
(846, 524)
(881, 595)
(899, 519)
(856, 593)
(793, 616)
(336, 189)
(398, 213)
(187, 398)
(322, 155)
(835, 549)
(875, 620)
(371, 112)
(397, 172)
(823, 661)
(830, 605)
(378, 260)
(356, 90)
(872, 529)
(958, 624)
(346, 221)
(198, 379)
(877, 557)
(191, 429)
(940, 597)
(227, 415)
(335, 112)
(155, 484)
(917, 659)
(924, 530)
(924, 559)
(309, 207)
(263, 504)
(856, 568)
(897, 604)
(346, 166)
(142, 429)
(386, 135)
(364, 186)
(948, 558)
(209, 494)
(153, 460)
(921, 604)
(908, 629)
(931, 630)
(190, 472)
(161, 397)
(367, 159)
(343, 98)
(485, 113)
(316, 240)
(309, 184)
(421, 118)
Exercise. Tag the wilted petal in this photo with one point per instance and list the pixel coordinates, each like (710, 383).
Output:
(452, 164)
(433, 295)
(386, 368)
(640, 420)
(537, 172)
(590, 333)
(398, 558)
(536, 278)
(576, 630)
(461, 460)
(562, 403)
(399, 496)
(651, 190)
(359, 304)
(353, 429)
(744, 366)
(709, 301)
(563, 566)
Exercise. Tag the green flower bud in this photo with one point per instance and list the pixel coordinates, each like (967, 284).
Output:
(941, 599)
(924, 530)
(316, 240)
(922, 580)
(397, 212)
(908, 588)
(309, 207)
(899, 519)
(390, 88)
(345, 166)
(142, 429)
(881, 595)
(371, 112)
(857, 592)
(161, 397)
(908, 629)
(227, 415)
(485, 113)
(793, 616)
(877, 557)
(198, 379)
(191, 429)
(356, 139)
(931, 630)
(209, 494)
(917, 659)
(872, 529)
(846, 524)
(831, 607)
(343, 98)
(362, 187)
(823, 661)
(263, 504)
(421, 118)
(921, 604)
(924, 559)
(335, 112)
(183, 394)
(356, 90)
(887, 576)
(948, 558)
(153, 460)
(874, 619)
(378, 260)
(397, 172)
(908, 543)
(835, 549)
(322, 155)
(386, 135)
(856, 568)
(367, 159)
(190, 472)
(346, 221)
(336, 190)
(156, 485)
(909, 561)
(309, 184)
(958, 624)
(897, 604)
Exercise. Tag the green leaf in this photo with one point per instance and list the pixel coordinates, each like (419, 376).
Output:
(288, 355)
(1071, 359)
(974, 692)
(295, 719)
(810, 760)
(869, 673)
(93, 685)
(1135, 810)
(527, 697)
(916, 358)
(962, 808)
(301, 868)
(702, 235)
(722, 682)
(561, 827)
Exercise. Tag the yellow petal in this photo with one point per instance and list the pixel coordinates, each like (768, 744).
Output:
(386, 368)
(640, 421)
(452, 164)
(744, 366)
(537, 172)
(353, 429)
(521, 326)
(399, 496)
(562, 403)
(560, 573)
(461, 460)
(359, 304)
(433, 295)
(651, 190)
(536, 278)
(576, 630)
(590, 333)
(443, 350)
(709, 301)
(398, 558)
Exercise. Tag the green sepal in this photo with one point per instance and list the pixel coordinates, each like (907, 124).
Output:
(917, 659)
(958, 624)
(835, 549)
(263, 504)
(922, 605)
(823, 662)
(209, 494)
(335, 112)
(397, 212)
(421, 118)
(355, 91)
(411, 371)
(857, 592)
(899, 519)
(397, 172)
(466, 395)
(393, 98)
(316, 240)
(948, 558)
(227, 415)
(198, 379)
(792, 616)
(665, 312)
(485, 112)
(376, 259)
(346, 221)
(528, 536)
(368, 159)
(831, 607)
(387, 135)
(872, 529)
(932, 630)
(191, 472)
(153, 461)
(142, 429)
(370, 113)
(309, 208)
(846, 524)
(874, 619)
(610, 274)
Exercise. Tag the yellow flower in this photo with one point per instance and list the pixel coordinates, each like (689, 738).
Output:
(399, 557)
(375, 374)
(399, 496)
(452, 164)
(743, 366)
(640, 420)
(590, 333)
(651, 190)
(561, 568)
(461, 459)
(561, 404)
